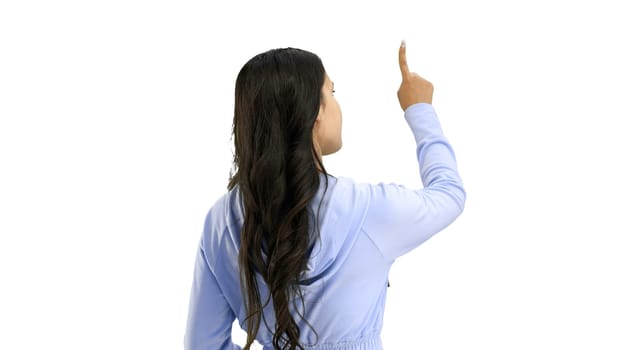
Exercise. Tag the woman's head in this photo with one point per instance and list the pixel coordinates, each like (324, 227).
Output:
(284, 96)
(285, 119)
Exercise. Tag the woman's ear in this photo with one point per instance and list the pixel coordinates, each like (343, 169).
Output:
(318, 122)
(317, 125)
(320, 114)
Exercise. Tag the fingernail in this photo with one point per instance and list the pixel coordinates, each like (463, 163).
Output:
(403, 43)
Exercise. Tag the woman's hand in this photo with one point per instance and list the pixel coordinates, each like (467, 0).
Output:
(414, 89)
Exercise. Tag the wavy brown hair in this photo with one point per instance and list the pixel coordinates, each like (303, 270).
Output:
(277, 98)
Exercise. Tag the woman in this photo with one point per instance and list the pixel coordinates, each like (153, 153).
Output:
(300, 257)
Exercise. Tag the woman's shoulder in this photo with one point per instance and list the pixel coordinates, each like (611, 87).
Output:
(349, 195)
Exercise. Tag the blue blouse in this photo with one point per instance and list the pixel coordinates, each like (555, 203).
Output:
(363, 229)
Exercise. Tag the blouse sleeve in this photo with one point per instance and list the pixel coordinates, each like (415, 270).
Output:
(399, 219)
(209, 315)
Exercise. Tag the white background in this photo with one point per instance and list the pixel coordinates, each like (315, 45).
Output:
(115, 141)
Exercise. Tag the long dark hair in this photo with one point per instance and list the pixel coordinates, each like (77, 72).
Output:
(277, 98)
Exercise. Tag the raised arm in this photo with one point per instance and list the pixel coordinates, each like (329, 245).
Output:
(399, 219)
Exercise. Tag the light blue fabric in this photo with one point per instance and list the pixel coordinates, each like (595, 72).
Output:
(363, 229)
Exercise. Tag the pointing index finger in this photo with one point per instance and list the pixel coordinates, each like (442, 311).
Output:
(403, 62)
